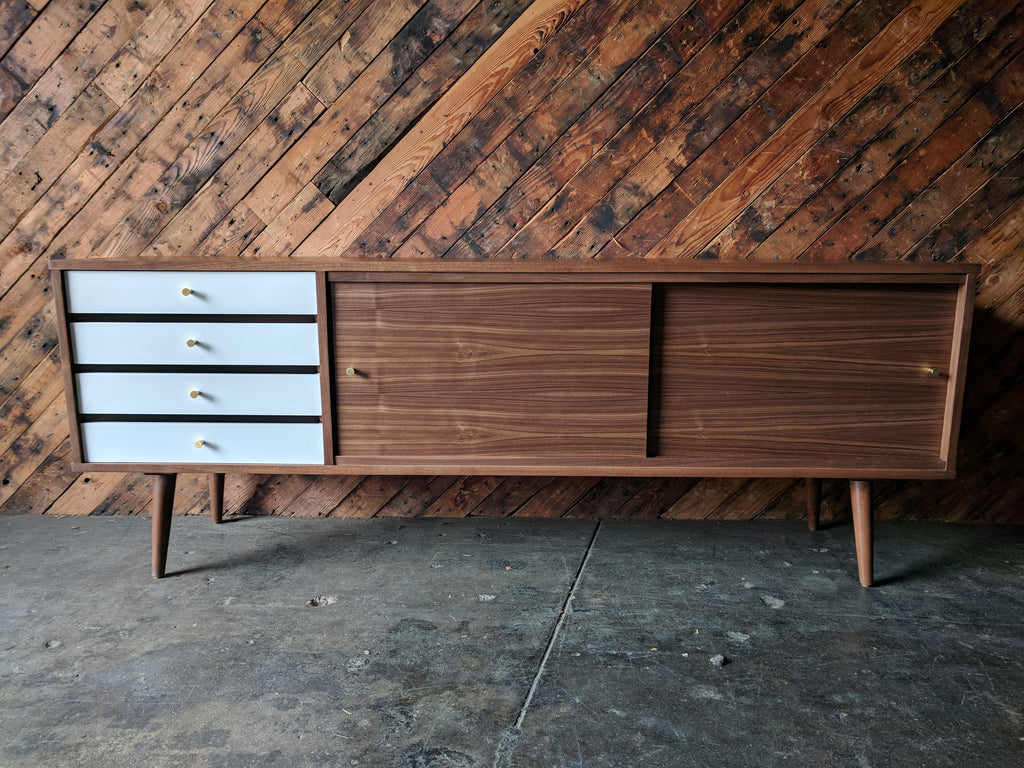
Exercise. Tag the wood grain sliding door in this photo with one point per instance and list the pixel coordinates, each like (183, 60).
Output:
(785, 375)
(491, 370)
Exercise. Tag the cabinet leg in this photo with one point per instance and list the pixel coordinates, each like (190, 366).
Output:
(813, 502)
(217, 497)
(163, 502)
(860, 498)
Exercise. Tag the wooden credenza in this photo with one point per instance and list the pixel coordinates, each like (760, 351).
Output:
(844, 370)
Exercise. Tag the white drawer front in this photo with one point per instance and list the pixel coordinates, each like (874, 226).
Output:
(216, 343)
(274, 293)
(174, 443)
(216, 394)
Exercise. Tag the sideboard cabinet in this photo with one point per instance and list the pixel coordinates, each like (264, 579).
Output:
(844, 370)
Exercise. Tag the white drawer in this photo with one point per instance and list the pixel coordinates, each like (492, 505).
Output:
(216, 394)
(272, 293)
(175, 443)
(216, 343)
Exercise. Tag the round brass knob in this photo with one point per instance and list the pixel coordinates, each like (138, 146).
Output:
(199, 443)
(191, 342)
(350, 371)
(186, 291)
(194, 394)
(934, 372)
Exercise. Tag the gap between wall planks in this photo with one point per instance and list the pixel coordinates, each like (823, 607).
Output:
(822, 129)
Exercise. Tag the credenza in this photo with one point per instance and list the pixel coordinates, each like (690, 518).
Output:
(542, 367)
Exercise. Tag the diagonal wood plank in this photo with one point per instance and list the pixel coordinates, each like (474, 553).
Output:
(824, 109)
(442, 122)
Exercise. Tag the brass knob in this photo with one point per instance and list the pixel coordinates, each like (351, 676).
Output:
(186, 291)
(934, 372)
(350, 371)
(194, 394)
(191, 342)
(199, 443)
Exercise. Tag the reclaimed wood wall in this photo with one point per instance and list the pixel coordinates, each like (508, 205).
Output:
(510, 129)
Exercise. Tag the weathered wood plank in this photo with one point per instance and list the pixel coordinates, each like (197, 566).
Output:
(750, 178)
(289, 228)
(275, 494)
(997, 250)
(925, 213)
(480, 156)
(154, 38)
(204, 210)
(29, 401)
(754, 497)
(417, 496)
(375, 28)
(58, 87)
(15, 18)
(462, 496)
(705, 498)
(38, 46)
(38, 492)
(753, 37)
(323, 497)
(236, 231)
(111, 148)
(26, 454)
(88, 494)
(29, 330)
(899, 140)
(607, 497)
(370, 495)
(973, 216)
(562, 146)
(216, 93)
(556, 497)
(813, 61)
(48, 159)
(957, 36)
(954, 137)
(442, 122)
(509, 495)
(423, 69)
(232, 125)
(656, 498)
(643, 130)
(335, 128)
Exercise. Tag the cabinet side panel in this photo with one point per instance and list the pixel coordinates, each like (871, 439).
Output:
(491, 370)
(803, 375)
(57, 280)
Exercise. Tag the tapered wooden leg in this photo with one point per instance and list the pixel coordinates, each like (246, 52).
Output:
(813, 502)
(860, 498)
(163, 502)
(217, 497)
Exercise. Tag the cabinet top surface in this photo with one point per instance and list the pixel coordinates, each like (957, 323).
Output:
(576, 267)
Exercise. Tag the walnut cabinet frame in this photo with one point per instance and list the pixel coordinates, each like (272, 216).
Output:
(812, 370)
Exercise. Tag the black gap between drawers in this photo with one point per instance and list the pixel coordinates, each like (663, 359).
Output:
(232, 419)
(112, 317)
(154, 368)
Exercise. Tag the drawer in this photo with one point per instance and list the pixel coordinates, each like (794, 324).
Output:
(270, 293)
(215, 343)
(175, 443)
(216, 394)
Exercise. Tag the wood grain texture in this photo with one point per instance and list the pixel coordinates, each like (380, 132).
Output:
(851, 376)
(727, 131)
(490, 370)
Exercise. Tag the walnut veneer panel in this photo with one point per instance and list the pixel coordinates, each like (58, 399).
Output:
(786, 375)
(491, 370)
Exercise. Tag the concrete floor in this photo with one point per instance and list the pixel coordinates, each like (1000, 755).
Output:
(452, 644)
